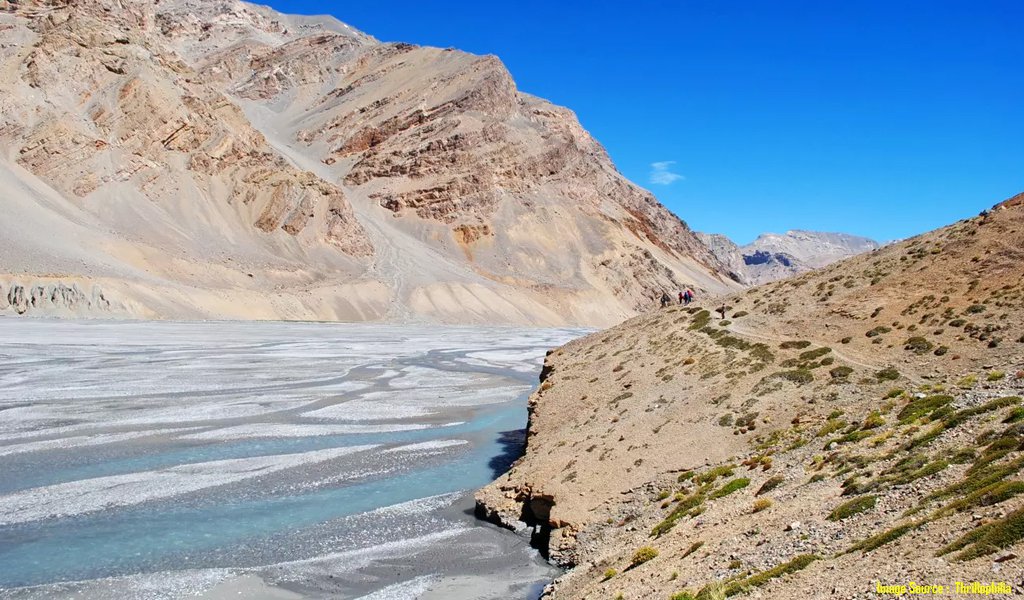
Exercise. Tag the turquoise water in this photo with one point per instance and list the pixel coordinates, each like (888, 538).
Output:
(76, 511)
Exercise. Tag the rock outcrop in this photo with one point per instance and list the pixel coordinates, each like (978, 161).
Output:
(188, 144)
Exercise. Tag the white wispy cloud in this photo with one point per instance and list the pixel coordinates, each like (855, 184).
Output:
(661, 173)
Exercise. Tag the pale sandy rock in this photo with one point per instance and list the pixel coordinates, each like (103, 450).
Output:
(217, 159)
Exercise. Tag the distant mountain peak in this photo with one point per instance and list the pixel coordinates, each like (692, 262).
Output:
(775, 256)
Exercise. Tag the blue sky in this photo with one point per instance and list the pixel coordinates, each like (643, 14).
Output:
(883, 119)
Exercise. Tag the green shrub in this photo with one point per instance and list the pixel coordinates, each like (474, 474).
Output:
(682, 596)
(713, 474)
(941, 350)
(643, 555)
(887, 374)
(975, 309)
(873, 420)
(700, 320)
(797, 376)
(853, 507)
(877, 331)
(989, 538)
(791, 345)
(846, 340)
(893, 393)
(967, 381)
(800, 562)
(610, 573)
(918, 345)
(995, 376)
(921, 407)
(841, 372)
(730, 487)
(830, 426)
(814, 354)
(1017, 414)
(877, 541)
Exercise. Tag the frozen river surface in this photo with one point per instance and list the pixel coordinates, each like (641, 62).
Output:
(276, 460)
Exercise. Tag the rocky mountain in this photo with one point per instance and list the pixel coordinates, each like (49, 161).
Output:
(217, 159)
(774, 256)
(854, 425)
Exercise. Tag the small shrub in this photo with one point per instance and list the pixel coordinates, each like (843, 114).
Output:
(853, 507)
(995, 376)
(873, 420)
(830, 426)
(682, 596)
(797, 376)
(794, 345)
(814, 354)
(877, 331)
(893, 393)
(663, 494)
(761, 504)
(693, 548)
(739, 314)
(610, 573)
(877, 541)
(975, 309)
(989, 538)
(841, 372)
(918, 345)
(922, 407)
(967, 382)
(713, 474)
(1016, 415)
(798, 563)
(725, 420)
(643, 555)
(733, 486)
(887, 374)
(941, 350)
(846, 340)
(770, 485)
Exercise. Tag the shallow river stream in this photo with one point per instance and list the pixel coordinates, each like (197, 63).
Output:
(275, 460)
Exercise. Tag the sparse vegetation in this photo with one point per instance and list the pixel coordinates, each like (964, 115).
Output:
(693, 548)
(761, 504)
(730, 487)
(853, 507)
(797, 376)
(794, 345)
(642, 555)
(770, 485)
(841, 372)
(887, 374)
(918, 345)
(608, 574)
(989, 538)
(877, 541)
(757, 580)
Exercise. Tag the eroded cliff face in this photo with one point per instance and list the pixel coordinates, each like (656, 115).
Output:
(417, 181)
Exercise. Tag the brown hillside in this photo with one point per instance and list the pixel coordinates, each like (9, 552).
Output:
(880, 380)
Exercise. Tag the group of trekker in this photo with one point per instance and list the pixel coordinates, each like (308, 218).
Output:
(685, 297)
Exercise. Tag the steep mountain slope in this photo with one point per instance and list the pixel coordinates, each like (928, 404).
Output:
(219, 159)
(843, 425)
(774, 256)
